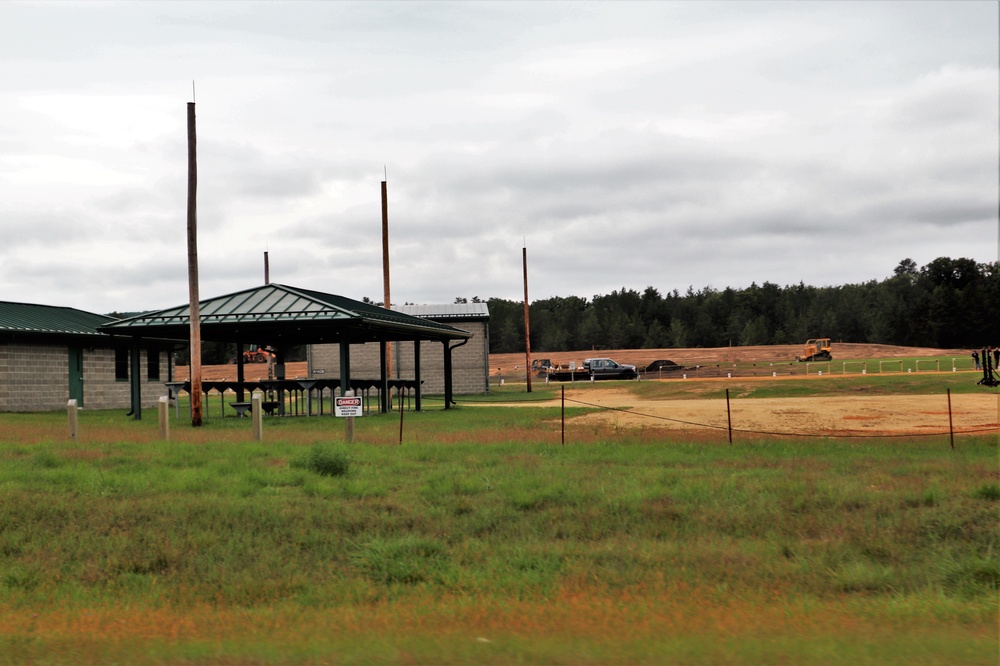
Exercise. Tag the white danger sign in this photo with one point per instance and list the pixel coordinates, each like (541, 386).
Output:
(348, 406)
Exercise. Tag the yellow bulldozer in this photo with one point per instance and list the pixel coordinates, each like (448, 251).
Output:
(817, 349)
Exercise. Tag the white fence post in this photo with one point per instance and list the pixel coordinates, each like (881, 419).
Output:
(164, 413)
(72, 415)
(257, 415)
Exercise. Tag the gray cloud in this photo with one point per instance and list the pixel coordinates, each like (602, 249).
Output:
(627, 144)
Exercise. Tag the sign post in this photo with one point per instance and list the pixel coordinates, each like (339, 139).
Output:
(348, 406)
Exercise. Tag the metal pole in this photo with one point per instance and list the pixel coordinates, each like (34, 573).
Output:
(729, 417)
(951, 427)
(563, 414)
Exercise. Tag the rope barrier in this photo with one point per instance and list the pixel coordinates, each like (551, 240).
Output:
(785, 434)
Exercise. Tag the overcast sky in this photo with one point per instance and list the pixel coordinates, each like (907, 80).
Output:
(664, 144)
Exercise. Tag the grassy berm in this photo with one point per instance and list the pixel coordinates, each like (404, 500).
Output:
(482, 539)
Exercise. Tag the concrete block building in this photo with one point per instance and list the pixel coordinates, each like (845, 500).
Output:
(50, 355)
(470, 358)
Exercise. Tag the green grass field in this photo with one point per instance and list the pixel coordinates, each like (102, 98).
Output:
(483, 540)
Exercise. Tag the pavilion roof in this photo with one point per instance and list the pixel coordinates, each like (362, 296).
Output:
(279, 314)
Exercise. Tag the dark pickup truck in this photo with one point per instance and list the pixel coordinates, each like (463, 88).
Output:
(594, 368)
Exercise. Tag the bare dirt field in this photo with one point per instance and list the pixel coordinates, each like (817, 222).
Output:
(829, 415)
(841, 416)
(513, 364)
(826, 416)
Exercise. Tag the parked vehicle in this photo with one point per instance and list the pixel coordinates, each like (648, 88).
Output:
(593, 368)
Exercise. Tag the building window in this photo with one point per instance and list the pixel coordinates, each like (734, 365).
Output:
(153, 364)
(121, 364)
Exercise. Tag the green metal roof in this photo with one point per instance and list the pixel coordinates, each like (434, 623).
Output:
(19, 319)
(458, 311)
(278, 313)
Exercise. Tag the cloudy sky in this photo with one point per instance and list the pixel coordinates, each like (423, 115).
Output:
(664, 144)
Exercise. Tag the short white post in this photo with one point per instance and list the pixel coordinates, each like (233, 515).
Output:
(164, 412)
(257, 416)
(72, 415)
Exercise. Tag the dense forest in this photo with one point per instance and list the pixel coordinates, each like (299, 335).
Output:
(949, 303)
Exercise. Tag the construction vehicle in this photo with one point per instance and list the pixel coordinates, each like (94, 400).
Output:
(540, 366)
(257, 354)
(817, 349)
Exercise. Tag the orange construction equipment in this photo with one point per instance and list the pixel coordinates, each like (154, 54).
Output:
(257, 354)
(817, 349)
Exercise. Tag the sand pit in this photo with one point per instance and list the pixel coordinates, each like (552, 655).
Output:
(824, 416)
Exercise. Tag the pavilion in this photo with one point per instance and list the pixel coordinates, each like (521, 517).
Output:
(282, 317)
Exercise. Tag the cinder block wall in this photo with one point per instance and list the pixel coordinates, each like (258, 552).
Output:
(35, 378)
(470, 362)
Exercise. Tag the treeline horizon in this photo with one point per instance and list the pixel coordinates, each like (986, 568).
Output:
(948, 303)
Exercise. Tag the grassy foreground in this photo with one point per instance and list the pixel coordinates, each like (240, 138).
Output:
(482, 540)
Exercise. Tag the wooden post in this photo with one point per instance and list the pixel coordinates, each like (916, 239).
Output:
(527, 325)
(192, 247)
(164, 413)
(257, 415)
(563, 414)
(349, 422)
(385, 272)
(72, 416)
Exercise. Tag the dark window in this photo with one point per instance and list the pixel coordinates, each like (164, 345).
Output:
(153, 364)
(121, 364)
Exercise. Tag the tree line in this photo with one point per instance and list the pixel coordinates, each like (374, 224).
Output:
(949, 303)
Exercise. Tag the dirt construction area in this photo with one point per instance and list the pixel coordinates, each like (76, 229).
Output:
(841, 416)
(824, 415)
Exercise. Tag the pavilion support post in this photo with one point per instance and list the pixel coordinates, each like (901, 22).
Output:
(345, 367)
(449, 382)
(240, 372)
(416, 370)
(383, 401)
(448, 389)
(135, 379)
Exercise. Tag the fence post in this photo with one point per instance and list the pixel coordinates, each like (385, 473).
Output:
(164, 414)
(257, 414)
(729, 418)
(72, 416)
(951, 427)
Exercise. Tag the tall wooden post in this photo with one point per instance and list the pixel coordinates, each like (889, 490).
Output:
(527, 324)
(192, 243)
(385, 271)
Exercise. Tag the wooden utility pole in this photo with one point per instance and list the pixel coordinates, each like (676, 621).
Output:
(192, 243)
(385, 273)
(527, 323)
